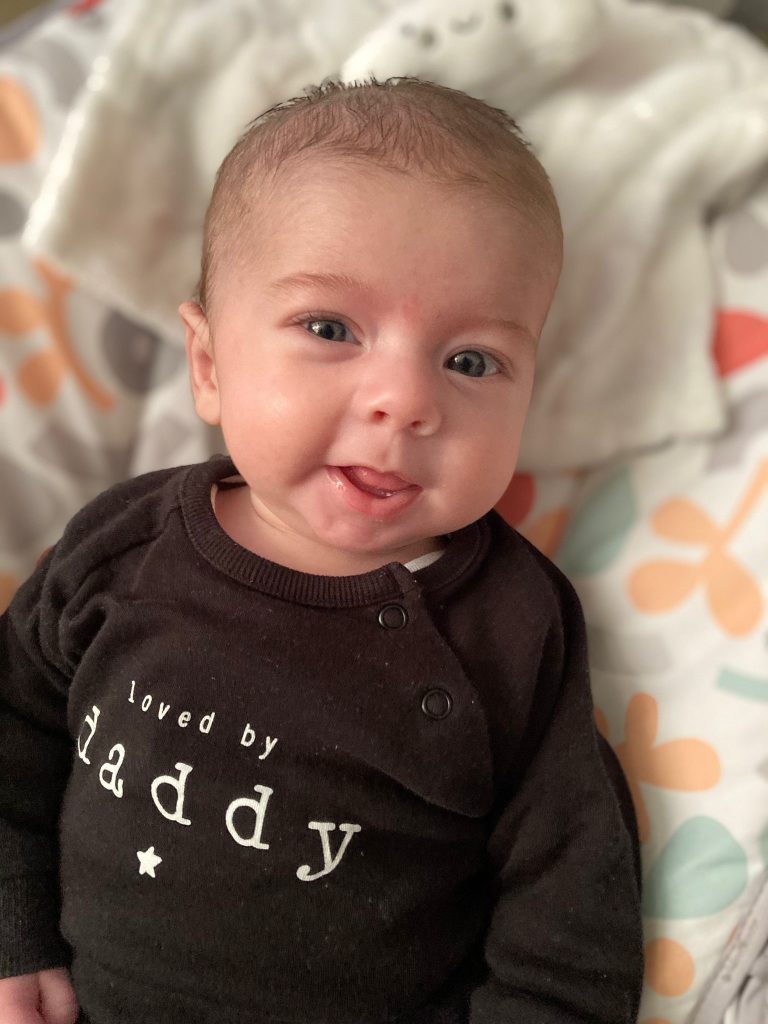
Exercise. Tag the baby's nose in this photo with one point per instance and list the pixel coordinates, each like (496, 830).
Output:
(406, 396)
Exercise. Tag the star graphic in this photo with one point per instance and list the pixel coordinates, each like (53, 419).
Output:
(148, 861)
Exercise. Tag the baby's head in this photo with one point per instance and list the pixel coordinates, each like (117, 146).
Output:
(379, 260)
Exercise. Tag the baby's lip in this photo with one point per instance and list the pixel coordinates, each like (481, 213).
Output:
(383, 481)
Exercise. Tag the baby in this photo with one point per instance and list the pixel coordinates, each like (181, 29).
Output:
(304, 733)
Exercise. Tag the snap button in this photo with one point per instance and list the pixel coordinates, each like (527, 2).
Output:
(436, 703)
(393, 616)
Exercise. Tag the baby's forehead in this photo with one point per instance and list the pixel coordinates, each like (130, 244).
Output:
(259, 195)
(295, 185)
(346, 216)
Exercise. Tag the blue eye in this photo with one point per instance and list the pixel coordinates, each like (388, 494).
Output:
(474, 364)
(470, 363)
(328, 330)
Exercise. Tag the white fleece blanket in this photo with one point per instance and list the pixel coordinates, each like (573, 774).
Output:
(651, 120)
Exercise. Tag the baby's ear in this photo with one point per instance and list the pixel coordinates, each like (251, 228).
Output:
(202, 365)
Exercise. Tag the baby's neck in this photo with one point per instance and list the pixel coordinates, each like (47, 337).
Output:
(236, 516)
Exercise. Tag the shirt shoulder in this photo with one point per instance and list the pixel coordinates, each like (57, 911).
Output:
(122, 516)
(529, 576)
(59, 607)
(103, 539)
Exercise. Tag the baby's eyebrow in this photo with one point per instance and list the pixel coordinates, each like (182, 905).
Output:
(339, 282)
(344, 282)
(489, 321)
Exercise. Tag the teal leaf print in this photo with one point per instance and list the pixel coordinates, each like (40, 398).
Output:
(600, 526)
(743, 685)
(700, 871)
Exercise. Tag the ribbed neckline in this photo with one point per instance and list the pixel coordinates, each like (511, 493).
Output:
(464, 550)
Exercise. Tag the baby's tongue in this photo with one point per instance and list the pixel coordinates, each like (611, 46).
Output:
(368, 479)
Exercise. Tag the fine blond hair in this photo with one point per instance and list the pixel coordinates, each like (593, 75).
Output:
(405, 125)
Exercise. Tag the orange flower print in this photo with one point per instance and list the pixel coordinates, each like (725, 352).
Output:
(669, 967)
(41, 375)
(684, 764)
(19, 123)
(733, 596)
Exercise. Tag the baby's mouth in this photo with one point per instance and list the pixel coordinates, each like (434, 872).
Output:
(381, 497)
(382, 485)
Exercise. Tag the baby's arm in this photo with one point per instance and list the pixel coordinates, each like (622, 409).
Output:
(564, 944)
(35, 760)
(43, 998)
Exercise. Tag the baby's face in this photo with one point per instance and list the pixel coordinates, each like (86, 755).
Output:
(371, 365)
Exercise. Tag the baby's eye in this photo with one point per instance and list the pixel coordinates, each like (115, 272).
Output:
(328, 330)
(474, 364)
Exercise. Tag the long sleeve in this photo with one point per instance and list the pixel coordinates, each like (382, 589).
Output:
(35, 757)
(564, 943)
